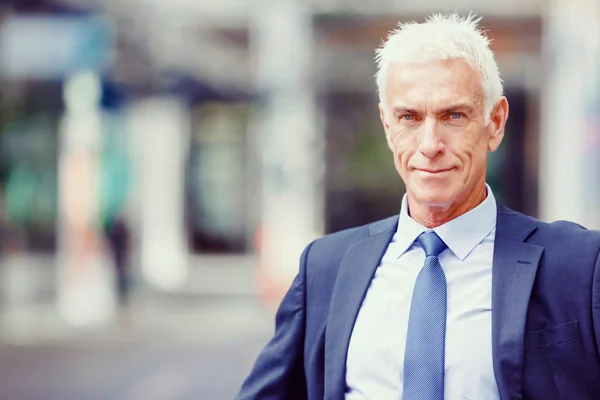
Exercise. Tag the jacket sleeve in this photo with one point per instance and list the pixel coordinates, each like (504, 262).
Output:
(278, 373)
(596, 301)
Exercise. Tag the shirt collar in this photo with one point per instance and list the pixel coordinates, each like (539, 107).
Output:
(461, 235)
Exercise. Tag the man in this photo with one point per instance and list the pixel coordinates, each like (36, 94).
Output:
(458, 297)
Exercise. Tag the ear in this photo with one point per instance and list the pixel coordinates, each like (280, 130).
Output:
(497, 123)
(386, 125)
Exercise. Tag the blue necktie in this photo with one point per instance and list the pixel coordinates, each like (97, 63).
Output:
(425, 343)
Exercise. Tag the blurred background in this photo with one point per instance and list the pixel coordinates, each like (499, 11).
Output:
(164, 162)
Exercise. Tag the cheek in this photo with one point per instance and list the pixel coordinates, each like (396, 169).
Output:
(401, 149)
(472, 154)
(394, 135)
(402, 140)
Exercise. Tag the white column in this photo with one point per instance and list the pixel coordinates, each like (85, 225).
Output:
(290, 138)
(160, 130)
(86, 293)
(570, 129)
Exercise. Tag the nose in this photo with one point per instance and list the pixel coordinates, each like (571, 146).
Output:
(431, 143)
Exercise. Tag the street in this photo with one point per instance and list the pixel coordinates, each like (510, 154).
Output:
(163, 347)
(125, 372)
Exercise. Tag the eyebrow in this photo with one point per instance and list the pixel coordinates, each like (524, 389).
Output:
(397, 110)
(464, 107)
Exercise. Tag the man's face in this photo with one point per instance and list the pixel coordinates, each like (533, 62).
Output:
(434, 121)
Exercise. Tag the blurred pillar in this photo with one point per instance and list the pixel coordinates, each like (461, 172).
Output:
(86, 295)
(160, 130)
(570, 139)
(290, 141)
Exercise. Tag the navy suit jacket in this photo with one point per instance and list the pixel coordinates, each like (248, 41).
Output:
(545, 313)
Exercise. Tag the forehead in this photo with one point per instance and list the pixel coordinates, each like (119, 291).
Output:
(434, 82)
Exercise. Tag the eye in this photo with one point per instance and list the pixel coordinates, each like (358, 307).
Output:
(407, 117)
(456, 115)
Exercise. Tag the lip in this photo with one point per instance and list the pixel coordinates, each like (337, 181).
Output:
(434, 171)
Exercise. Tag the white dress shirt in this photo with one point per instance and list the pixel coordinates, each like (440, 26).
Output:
(374, 366)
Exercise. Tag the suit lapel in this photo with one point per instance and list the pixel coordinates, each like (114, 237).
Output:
(513, 273)
(353, 279)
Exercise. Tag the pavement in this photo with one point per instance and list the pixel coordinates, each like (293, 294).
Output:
(198, 343)
(169, 371)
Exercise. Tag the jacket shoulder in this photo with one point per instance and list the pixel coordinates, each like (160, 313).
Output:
(569, 235)
(338, 242)
(561, 231)
(327, 252)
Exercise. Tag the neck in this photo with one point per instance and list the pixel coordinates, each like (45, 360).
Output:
(433, 216)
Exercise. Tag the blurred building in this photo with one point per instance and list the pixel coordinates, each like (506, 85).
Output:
(243, 127)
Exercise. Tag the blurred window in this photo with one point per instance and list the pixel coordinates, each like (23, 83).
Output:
(28, 167)
(217, 176)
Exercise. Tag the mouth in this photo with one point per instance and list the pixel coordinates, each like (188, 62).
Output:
(434, 171)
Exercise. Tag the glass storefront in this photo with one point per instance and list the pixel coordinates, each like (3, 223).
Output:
(28, 167)
(218, 179)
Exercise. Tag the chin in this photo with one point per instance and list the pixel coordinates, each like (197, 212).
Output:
(434, 197)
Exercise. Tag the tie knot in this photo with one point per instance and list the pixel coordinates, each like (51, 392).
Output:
(431, 243)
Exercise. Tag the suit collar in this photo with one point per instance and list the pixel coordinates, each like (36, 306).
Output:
(384, 226)
(514, 225)
(514, 269)
(511, 224)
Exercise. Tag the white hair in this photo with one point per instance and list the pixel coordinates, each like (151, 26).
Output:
(442, 36)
